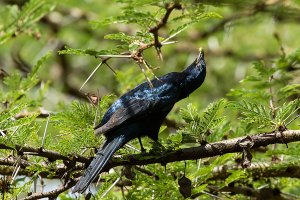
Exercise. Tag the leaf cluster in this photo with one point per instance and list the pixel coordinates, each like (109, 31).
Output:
(18, 21)
(266, 100)
(137, 13)
(199, 126)
(16, 100)
(75, 125)
(271, 100)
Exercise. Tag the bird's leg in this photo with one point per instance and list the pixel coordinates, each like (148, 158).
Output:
(142, 148)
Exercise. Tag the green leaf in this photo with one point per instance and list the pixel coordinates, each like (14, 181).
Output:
(106, 21)
(31, 80)
(253, 113)
(13, 81)
(199, 189)
(262, 76)
(288, 90)
(75, 124)
(129, 16)
(121, 37)
(31, 12)
(284, 112)
(210, 116)
(235, 175)
(201, 125)
(189, 114)
(253, 93)
(90, 52)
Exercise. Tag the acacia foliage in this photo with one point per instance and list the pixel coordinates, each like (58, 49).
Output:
(266, 100)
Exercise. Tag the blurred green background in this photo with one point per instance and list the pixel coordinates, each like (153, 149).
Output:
(231, 44)
(236, 34)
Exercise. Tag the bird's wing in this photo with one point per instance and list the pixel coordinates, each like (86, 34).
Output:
(134, 109)
(143, 101)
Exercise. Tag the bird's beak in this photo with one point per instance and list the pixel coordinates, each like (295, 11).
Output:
(200, 55)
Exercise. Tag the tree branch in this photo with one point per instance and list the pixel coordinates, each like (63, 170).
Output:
(154, 30)
(51, 155)
(53, 193)
(193, 153)
(260, 169)
(208, 150)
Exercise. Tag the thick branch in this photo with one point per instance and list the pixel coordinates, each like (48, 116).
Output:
(260, 169)
(51, 155)
(208, 150)
(193, 153)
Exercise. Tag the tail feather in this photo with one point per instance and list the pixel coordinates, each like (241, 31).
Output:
(102, 157)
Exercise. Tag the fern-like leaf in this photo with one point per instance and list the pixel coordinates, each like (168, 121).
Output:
(253, 113)
(201, 125)
(91, 52)
(286, 111)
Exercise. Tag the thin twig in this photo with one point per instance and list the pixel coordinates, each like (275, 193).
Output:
(133, 148)
(45, 131)
(212, 195)
(297, 116)
(114, 56)
(97, 109)
(97, 67)
(53, 193)
(149, 68)
(147, 172)
(112, 185)
(154, 30)
(144, 72)
(110, 68)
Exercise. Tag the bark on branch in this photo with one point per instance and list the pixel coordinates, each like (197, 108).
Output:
(193, 153)
(208, 150)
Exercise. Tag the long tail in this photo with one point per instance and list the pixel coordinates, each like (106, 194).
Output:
(102, 157)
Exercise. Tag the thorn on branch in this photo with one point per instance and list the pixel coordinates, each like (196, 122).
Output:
(140, 63)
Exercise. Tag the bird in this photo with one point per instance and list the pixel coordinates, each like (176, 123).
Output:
(140, 112)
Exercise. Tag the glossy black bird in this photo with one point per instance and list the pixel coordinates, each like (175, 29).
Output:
(140, 112)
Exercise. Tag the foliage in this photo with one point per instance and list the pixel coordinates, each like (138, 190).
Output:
(17, 21)
(237, 99)
(201, 125)
(16, 100)
(266, 107)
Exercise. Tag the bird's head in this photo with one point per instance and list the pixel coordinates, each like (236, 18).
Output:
(195, 73)
(198, 66)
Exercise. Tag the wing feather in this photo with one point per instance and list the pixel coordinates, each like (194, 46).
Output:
(135, 108)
